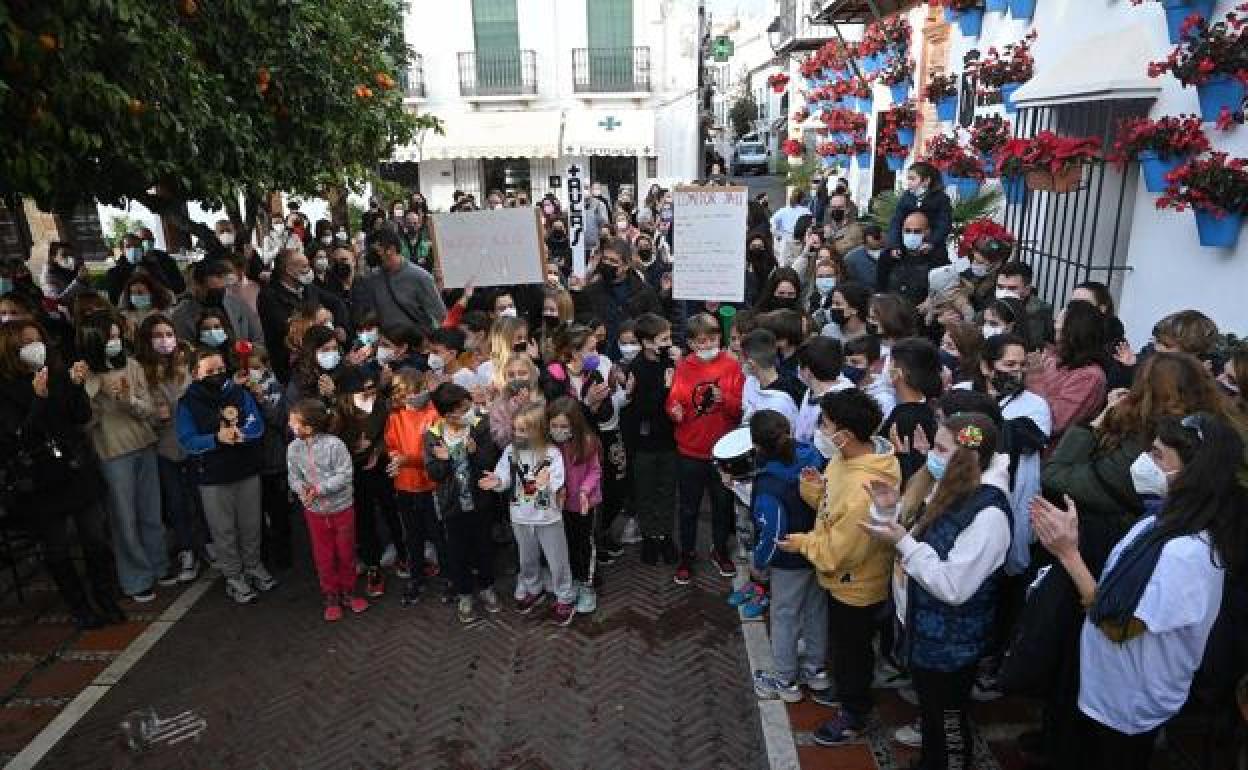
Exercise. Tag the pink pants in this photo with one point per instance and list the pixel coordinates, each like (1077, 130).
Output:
(333, 549)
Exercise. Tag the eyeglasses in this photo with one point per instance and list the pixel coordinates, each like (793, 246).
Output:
(1193, 423)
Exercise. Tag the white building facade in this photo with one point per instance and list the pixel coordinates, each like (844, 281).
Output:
(526, 88)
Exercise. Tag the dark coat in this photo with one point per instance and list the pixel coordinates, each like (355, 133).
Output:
(276, 304)
(613, 304)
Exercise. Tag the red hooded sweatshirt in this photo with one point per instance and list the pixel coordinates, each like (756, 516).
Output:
(704, 420)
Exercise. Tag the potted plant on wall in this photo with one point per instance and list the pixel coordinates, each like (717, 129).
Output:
(939, 150)
(891, 150)
(988, 135)
(1214, 58)
(942, 91)
(862, 152)
(1012, 169)
(1216, 189)
(1159, 145)
(903, 120)
(1177, 12)
(966, 173)
(1022, 9)
(864, 102)
(969, 14)
(793, 149)
(1055, 163)
(1005, 70)
(897, 76)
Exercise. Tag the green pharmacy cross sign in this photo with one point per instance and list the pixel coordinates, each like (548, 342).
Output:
(722, 48)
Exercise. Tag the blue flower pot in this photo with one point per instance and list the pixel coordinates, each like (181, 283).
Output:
(905, 137)
(896, 164)
(1177, 12)
(971, 21)
(829, 161)
(843, 160)
(1015, 190)
(997, 6)
(966, 187)
(864, 160)
(947, 178)
(1218, 92)
(1218, 233)
(1007, 96)
(1155, 169)
(990, 165)
(1022, 9)
(869, 64)
(951, 15)
(900, 92)
(947, 108)
(865, 105)
(840, 136)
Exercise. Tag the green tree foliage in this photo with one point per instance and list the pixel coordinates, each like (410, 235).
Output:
(164, 101)
(743, 113)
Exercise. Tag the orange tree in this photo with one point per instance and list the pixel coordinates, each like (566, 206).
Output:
(165, 101)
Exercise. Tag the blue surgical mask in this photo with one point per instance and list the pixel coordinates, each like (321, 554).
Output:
(912, 241)
(141, 301)
(368, 338)
(6, 285)
(213, 338)
(936, 465)
(134, 253)
(825, 284)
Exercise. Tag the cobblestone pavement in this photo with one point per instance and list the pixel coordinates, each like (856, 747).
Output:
(657, 678)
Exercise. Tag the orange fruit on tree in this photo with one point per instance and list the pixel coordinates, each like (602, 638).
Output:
(49, 42)
(383, 80)
(188, 7)
(263, 75)
(136, 106)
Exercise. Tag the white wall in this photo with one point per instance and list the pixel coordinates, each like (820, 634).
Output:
(1170, 270)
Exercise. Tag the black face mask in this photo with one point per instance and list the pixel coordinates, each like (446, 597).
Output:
(837, 315)
(757, 249)
(609, 273)
(214, 297)
(550, 321)
(836, 215)
(340, 270)
(520, 347)
(873, 328)
(784, 303)
(1006, 384)
(645, 254)
(215, 383)
(558, 235)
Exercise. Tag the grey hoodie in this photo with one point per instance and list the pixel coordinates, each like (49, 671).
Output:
(321, 463)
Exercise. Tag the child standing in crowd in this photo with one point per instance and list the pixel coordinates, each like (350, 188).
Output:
(704, 404)
(320, 476)
(533, 471)
(799, 606)
(362, 414)
(647, 431)
(583, 484)
(219, 427)
(413, 489)
(457, 453)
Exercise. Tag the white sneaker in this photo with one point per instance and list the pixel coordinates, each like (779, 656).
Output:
(489, 600)
(768, 686)
(630, 533)
(815, 681)
(909, 735)
(260, 578)
(188, 566)
(389, 556)
(431, 553)
(586, 599)
(210, 555)
(238, 589)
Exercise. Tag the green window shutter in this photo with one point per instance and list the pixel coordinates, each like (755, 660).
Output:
(610, 44)
(497, 38)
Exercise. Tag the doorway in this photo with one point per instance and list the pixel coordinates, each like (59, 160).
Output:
(615, 173)
(507, 175)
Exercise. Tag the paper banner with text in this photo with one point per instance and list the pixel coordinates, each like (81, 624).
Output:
(709, 259)
(496, 247)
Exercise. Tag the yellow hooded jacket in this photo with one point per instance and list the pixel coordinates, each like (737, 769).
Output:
(851, 565)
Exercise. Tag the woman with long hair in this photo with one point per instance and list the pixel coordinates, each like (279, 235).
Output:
(54, 475)
(782, 291)
(1073, 381)
(948, 583)
(1151, 611)
(163, 361)
(121, 431)
(760, 260)
(508, 335)
(317, 367)
(142, 297)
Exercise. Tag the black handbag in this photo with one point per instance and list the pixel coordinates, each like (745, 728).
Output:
(1042, 635)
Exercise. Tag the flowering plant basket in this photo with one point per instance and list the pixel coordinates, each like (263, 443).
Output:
(811, 68)
(989, 134)
(1050, 162)
(961, 165)
(941, 149)
(847, 121)
(1015, 64)
(1165, 137)
(904, 115)
(792, 148)
(941, 87)
(1208, 50)
(778, 82)
(1216, 183)
(900, 70)
(982, 228)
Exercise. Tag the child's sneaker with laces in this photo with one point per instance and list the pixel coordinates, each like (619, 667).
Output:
(769, 686)
(356, 604)
(238, 589)
(586, 599)
(563, 613)
(725, 565)
(839, 730)
(816, 681)
(684, 570)
(489, 600)
(748, 592)
(333, 609)
(374, 583)
(526, 603)
(260, 578)
(465, 611)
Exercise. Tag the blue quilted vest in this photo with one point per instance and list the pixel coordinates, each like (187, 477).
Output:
(940, 636)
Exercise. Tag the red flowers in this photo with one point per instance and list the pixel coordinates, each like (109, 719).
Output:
(791, 148)
(1168, 137)
(989, 134)
(900, 69)
(778, 82)
(982, 228)
(941, 87)
(904, 115)
(941, 149)
(847, 121)
(1207, 49)
(1046, 151)
(1217, 184)
(1015, 65)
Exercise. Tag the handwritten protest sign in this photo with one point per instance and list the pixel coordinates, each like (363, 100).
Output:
(489, 248)
(576, 218)
(710, 243)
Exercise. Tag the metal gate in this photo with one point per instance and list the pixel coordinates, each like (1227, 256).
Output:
(1082, 235)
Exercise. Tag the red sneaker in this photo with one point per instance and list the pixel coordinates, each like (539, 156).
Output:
(525, 606)
(684, 570)
(356, 604)
(563, 614)
(430, 569)
(727, 568)
(374, 583)
(333, 612)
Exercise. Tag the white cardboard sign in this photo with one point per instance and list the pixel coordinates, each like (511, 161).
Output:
(709, 258)
(498, 247)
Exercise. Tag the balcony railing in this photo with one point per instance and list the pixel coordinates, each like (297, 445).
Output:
(498, 73)
(611, 70)
(794, 29)
(413, 81)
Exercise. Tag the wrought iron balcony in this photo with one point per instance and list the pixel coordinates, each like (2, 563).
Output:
(611, 70)
(793, 28)
(413, 81)
(497, 73)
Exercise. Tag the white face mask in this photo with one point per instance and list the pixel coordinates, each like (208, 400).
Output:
(112, 348)
(1007, 294)
(306, 277)
(364, 402)
(507, 312)
(874, 253)
(709, 354)
(436, 362)
(629, 352)
(327, 239)
(322, 264)
(255, 376)
(226, 239)
(978, 270)
(212, 337)
(34, 355)
(1148, 478)
(279, 227)
(912, 241)
(825, 446)
(384, 355)
(328, 359)
(991, 331)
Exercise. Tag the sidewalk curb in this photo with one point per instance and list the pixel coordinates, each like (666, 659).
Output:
(75, 710)
(773, 714)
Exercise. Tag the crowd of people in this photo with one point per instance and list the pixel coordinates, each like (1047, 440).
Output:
(948, 475)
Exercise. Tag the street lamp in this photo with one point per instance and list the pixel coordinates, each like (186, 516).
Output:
(773, 35)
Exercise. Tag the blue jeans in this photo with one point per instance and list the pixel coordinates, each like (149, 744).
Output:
(698, 477)
(134, 510)
(176, 490)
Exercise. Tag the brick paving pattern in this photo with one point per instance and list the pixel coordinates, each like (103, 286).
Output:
(657, 678)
